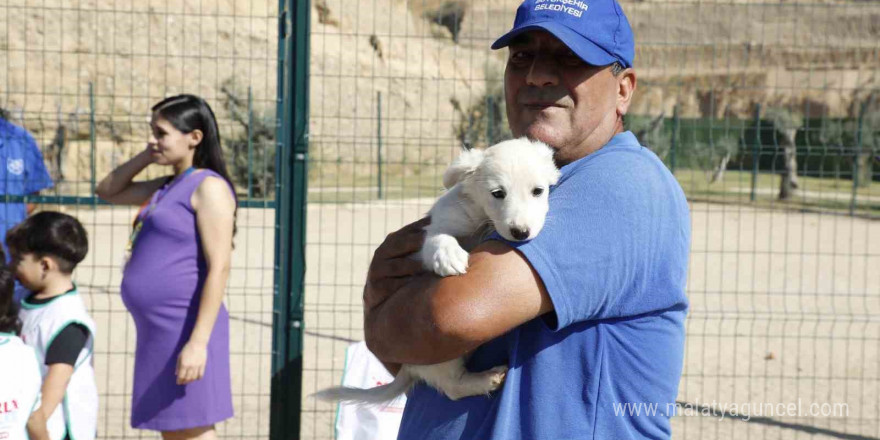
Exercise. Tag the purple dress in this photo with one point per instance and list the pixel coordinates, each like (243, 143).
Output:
(161, 288)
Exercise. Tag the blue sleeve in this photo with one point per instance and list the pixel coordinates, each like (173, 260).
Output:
(616, 240)
(36, 175)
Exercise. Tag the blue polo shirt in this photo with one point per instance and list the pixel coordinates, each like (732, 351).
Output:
(613, 255)
(22, 172)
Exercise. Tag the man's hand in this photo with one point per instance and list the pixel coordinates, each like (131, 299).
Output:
(429, 319)
(393, 264)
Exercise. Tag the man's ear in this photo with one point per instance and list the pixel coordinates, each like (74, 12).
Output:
(626, 87)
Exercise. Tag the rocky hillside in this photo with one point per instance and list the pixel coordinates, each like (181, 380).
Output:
(429, 59)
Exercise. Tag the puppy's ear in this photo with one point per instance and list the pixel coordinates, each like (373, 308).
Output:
(555, 176)
(545, 149)
(547, 153)
(463, 165)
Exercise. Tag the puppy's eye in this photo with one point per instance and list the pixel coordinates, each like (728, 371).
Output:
(498, 193)
(537, 192)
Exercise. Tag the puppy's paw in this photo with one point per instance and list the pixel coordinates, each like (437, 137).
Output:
(496, 377)
(449, 259)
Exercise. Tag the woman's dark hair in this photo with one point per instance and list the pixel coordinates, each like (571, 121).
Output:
(53, 234)
(9, 322)
(187, 113)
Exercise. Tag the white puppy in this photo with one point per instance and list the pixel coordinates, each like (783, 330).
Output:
(503, 188)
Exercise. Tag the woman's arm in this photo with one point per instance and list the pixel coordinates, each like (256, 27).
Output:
(215, 218)
(117, 187)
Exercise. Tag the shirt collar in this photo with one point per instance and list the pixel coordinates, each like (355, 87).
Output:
(29, 302)
(626, 138)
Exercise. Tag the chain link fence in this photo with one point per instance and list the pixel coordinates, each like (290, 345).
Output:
(80, 77)
(767, 112)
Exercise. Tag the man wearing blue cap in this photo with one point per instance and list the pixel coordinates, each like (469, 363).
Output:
(589, 315)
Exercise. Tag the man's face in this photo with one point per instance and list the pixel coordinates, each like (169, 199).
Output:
(554, 97)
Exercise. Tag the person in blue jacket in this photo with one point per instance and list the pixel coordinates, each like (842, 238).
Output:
(22, 172)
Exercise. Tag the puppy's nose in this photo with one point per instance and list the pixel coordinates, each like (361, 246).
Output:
(519, 234)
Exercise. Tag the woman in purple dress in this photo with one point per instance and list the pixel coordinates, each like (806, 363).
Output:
(175, 275)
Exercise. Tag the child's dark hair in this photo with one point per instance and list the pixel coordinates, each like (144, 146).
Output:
(50, 234)
(9, 322)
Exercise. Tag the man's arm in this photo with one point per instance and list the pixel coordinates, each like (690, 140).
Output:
(425, 319)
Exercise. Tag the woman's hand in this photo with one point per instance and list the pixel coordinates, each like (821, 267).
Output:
(118, 187)
(191, 362)
(147, 155)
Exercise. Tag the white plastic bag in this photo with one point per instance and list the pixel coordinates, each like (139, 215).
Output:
(367, 422)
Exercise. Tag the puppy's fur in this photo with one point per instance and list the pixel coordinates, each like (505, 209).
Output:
(504, 188)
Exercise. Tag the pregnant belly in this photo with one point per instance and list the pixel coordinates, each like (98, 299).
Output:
(172, 291)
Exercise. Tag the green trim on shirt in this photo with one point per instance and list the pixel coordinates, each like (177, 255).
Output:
(29, 306)
(339, 405)
(66, 418)
(64, 326)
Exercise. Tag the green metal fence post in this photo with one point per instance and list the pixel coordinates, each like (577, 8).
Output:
(92, 139)
(755, 152)
(280, 375)
(379, 139)
(674, 145)
(290, 218)
(858, 151)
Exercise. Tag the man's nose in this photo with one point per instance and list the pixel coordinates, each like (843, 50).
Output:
(542, 72)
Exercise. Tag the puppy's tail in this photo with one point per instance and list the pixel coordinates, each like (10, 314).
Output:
(380, 394)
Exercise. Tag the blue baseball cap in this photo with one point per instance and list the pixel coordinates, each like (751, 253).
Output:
(595, 30)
